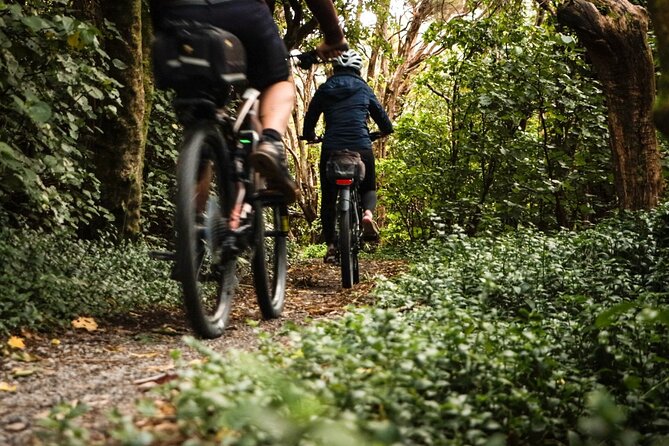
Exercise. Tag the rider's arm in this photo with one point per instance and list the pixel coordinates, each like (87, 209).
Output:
(326, 15)
(334, 43)
(379, 116)
(311, 117)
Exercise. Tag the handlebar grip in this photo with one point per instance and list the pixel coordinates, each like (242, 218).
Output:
(307, 60)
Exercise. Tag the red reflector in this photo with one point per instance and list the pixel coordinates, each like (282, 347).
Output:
(344, 182)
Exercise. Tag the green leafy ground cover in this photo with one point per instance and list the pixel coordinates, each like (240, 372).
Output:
(521, 339)
(50, 279)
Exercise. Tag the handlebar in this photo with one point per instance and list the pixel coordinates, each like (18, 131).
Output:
(308, 59)
(372, 135)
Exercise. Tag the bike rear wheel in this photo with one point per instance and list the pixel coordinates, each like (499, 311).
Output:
(269, 259)
(208, 281)
(344, 214)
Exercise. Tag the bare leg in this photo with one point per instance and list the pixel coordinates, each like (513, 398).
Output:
(276, 104)
(206, 174)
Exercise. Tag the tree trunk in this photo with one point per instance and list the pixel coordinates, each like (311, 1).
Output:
(120, 152)
(119, 149)
(614, 33)
(659, 12)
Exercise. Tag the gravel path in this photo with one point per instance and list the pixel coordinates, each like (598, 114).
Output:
(111, 366)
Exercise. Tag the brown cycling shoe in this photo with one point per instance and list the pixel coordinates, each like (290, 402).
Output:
(269, 161)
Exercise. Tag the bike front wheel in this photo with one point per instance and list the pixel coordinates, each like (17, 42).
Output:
(204, 199)
(269, 261)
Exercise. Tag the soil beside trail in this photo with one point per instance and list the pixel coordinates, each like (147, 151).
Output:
(111, 366)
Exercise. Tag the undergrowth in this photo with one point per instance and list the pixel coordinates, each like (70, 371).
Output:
(519, 339)
(48, 279)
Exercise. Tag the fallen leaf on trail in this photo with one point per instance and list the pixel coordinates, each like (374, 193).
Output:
(163, 368)
(144, 355)
(114, 349)
(24, 357)
(16, 342)
(16, 427)
(22, 372)
(4, 387)
(87, 323)
(55, 342)
(166, 330)
(158, 379)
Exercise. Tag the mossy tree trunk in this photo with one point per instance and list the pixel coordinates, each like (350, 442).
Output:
(659, 12)
(119, 148)
(614, 33)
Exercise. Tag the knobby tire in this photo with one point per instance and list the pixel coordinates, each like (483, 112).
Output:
(269, 261)
(208, 283)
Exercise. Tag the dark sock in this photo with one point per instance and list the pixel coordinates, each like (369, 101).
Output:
(271, 134)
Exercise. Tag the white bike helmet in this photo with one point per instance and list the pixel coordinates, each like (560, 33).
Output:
(349, 59)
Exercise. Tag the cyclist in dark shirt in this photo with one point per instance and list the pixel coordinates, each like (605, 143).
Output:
(346, 101)
(268, 69)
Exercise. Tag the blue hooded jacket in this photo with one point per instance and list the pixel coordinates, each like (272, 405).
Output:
(346, 101)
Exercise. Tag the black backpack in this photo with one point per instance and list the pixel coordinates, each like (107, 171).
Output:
(196, 59)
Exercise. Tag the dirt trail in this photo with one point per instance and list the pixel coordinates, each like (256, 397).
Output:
(111, 366)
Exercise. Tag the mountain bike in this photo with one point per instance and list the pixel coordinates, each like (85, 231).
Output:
(223, 208)
(346, 170)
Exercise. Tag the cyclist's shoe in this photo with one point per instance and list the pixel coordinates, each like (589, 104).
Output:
(330, 255)
(370, 231)
(269, 160)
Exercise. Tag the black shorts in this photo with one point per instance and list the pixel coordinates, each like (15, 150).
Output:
(252, 22)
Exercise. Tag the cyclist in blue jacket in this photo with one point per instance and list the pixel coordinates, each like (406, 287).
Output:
(346, 102)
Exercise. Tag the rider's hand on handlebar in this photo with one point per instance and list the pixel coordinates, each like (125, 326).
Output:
(375, 135)
(312, 139)
(326, 51)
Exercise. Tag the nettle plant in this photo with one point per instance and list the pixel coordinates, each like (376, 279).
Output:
(54, 85)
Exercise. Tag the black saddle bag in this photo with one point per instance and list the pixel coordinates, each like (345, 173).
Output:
(345, 164)
(196, 59)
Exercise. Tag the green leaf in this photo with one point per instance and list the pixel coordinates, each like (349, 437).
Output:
(608, 316)
(566, 39)
(40, 112)
(119, 64)
(35, 23)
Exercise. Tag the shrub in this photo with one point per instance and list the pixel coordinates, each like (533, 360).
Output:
(54, 84)
(47, 279)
